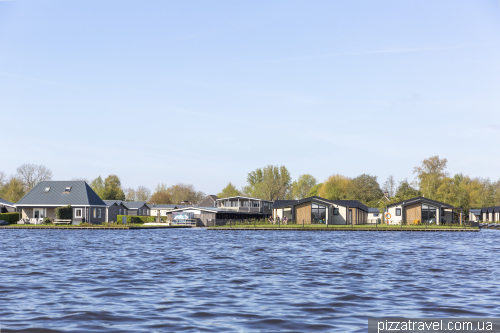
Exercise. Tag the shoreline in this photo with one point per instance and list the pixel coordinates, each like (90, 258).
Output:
(350, 229)
(93, 228)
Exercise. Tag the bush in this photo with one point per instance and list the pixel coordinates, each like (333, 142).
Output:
(47, 220)
(139, 219)
(64, 213)
(12, 218)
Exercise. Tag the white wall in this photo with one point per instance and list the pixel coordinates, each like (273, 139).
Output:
(394, 219)
(342, 217)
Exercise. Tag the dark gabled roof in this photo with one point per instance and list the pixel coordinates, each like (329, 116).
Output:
(493, 209)
(240, 196)
(373, 210)
(6, 203)
(475, 211)
(284, 203)
(81, 194)
(345, 203)
(110, 202)
(209, 199)
(351, 204)
(421, 199)
(135, 204)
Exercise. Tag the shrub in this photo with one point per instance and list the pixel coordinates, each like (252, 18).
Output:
(47, 220)
(139, 219)
(64, 213)
(12, 218)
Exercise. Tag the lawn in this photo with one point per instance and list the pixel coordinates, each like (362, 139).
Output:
(97, 226)
(335, 226)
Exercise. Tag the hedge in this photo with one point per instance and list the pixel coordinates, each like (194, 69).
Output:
(139, 219)
(12, 218)
(64, 213)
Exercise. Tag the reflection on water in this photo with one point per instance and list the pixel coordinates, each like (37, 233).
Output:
(241, 281)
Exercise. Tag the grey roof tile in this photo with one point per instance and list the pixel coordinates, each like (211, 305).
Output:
(5, 202)
(81, 194)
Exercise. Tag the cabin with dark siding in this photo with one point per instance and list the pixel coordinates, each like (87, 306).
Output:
(7, 206)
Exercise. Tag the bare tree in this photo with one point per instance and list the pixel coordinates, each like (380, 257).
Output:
(130, 194)
(390, 186)
(81, 179)
(32, 174)
(142, 193)
(3, 179)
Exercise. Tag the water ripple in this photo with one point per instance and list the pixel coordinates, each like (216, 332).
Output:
(241, 281)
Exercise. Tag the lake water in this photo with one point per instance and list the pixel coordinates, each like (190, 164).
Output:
(241, 281)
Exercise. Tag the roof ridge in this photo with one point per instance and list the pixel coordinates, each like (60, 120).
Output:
(87, 194)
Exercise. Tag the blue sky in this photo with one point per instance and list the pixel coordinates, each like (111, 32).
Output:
(203, 92)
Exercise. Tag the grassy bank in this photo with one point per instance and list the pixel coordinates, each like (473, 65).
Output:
(335, 226)
(86, 226)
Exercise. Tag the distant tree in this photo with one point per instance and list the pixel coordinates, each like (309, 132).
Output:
(405, 191)
(268, 183)
(496, 187)
(314, 191)
(302, 186)
(98, 186)
(81, 179)
(430, 174)
(390, 186)
(366, 189)
(229, 191)
(130, 194)
(184, 192)
(142, 193)
(13, 190)
(31, 174)
(3, 179)
(112, 189)
(160, 196)
(336, 187)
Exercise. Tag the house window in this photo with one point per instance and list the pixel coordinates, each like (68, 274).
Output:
(139, 212)
(78, 212)
(318, 213)
(95, 212)
(120, 211)
(442, 212)
(46, 189)
(429, 214)
(376, 215)
(335, 211)
(99, 213)
(398, 211)
(124, 212)
(67, 189)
